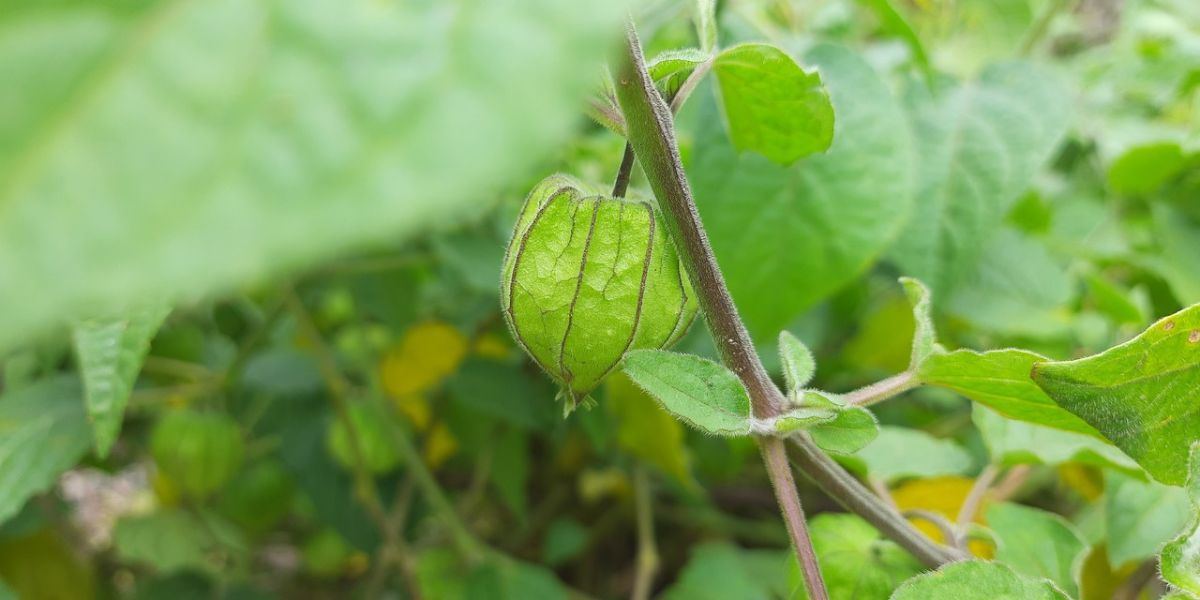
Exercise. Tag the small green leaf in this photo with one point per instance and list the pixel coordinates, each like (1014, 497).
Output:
(1000, 380)
(43, 432)
(720, 571)
(110, 353)
(850, 430)
(1143, 395)
(697, 391)
(1141, 170)
(646, 431)
(856, 561)
(671, 68)
(891, 21)
(772, 106)
(977, 580)
(924, 341)
(510, 470)
(1012, 442)
(1180, 558)
(900, 452)
(1038, 544)
(565, 539)
(809, 408)
(1140, 516)
(797, 360)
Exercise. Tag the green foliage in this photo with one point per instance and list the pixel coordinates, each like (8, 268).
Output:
(1180, 558)
(899, 453)
(796, 360)
(371, 435)
(266, 136)
(43, 432)
(1140, 516)
(718, 570)
(772, 106)
(1141, 395)
(646, 431)
(1011, 442)
(176, 540)
(1036, 543)
(855, 560)
(110, 353)
(819, 223)
(977, 580)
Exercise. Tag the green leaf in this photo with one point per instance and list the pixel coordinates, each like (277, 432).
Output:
(1000, 380)
(1011, 442)
(856, 561)
(977, 580)
(1143, 395)
(508, 579)
(646, 431)
(891, 21)
(788, 237)
(799, 366)
(852, 428)
(900, 453)
(1017, 288)
(43, 432)
(1038, 544)
(174, 540)
(772, 106)
(1179, 262)
(697, 391)
(924, 341)
(1140, 516)
(267, 136)
(717, 571)
(980, 145)
(1141, 170)
(110, 353)
(565, 539)
(670, 69)
(1180, 558)
(510, 470)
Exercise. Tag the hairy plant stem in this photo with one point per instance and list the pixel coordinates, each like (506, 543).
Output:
(649, 127)
(882, 390)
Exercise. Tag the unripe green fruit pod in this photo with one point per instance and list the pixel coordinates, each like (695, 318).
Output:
(198, 452)
(588, 278)
(379, 452)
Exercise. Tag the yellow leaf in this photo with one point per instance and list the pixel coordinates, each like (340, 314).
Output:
(490, 345)
(425, 356)
(645, 430)
(415, 409)
(1085, 480)
(944, 496)
(42, 566)
(439, 446)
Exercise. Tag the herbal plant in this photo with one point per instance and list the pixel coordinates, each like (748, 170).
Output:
(885, 299)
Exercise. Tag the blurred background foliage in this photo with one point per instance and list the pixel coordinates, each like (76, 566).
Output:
(334, 409)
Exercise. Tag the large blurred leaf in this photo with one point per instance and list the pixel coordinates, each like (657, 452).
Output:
(44, 566)
(980, 145)
(717, 571)
(1180, 558)
(1140, 516)
(788, 237)
(43, 432)
(1179, 262)
(1011, 442)
(175, 540)
(183, 148)
(856, 561)
(1038, 543)
(110, 353)
(899, 453)
(1143, 395)
(977, 580)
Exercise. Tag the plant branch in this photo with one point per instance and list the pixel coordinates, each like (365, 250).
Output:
(855, 497)
(647, 554)
(624, 172)
(970, 505)
(650, 131)
(882, 390)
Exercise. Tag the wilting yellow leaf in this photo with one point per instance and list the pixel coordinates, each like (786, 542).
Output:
(645, 430)
(944, 496)
(415, 409)
(491, 345)
(1085, 480)
(424, 357)
(439, 446)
